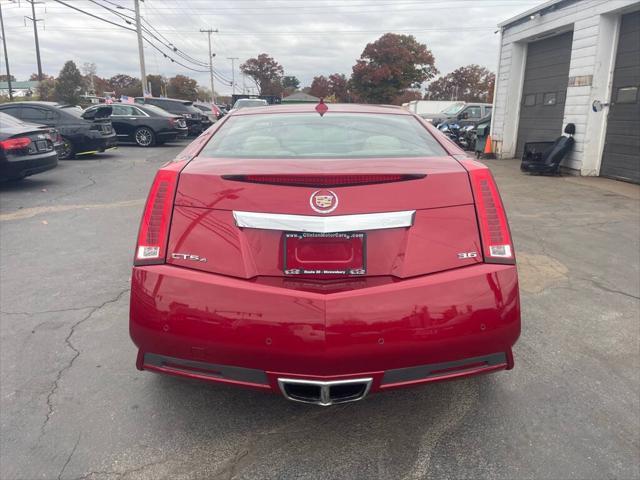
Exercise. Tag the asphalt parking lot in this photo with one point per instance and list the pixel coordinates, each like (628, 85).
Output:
(73, 406)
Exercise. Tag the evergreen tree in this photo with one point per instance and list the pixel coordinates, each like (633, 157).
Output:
(69, 84)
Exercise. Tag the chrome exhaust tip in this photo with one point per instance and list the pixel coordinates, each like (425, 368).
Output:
(325, 393)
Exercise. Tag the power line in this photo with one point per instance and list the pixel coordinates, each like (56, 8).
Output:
(166, 43)
(117, 5)
(225, 81)
(94, 16)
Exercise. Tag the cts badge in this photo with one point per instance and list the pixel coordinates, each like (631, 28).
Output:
(323, 201)
(188, 256)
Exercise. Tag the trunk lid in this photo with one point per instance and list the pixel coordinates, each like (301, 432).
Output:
(205, 183)
(101, 119)
(205, 235)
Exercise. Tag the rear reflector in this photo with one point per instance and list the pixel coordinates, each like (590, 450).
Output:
(494, 230)
(323, 180)
(15, 143)
(154, 228)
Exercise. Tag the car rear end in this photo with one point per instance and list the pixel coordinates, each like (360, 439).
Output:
(324, 277)
(100, 135)
(167, 126)
(24, 153)
(197, 122)
(177, 128)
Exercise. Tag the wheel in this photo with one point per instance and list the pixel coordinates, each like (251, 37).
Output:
(145, 137)
(67, 150)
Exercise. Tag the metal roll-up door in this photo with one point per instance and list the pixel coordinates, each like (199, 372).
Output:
(621, 156)
(544, 90)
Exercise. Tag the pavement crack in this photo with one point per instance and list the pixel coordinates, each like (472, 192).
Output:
(76, 354)
(64, 467)
(600, 286)
(41, 312)
(92, 182)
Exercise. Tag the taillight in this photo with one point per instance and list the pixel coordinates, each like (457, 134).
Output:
(15, 143)
(323, 180)
(154, 228)
(492, 219)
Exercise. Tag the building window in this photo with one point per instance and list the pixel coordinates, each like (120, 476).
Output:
(529, 100)
(627, 95)
(550, 98)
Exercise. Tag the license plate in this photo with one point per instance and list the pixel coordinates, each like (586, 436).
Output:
(325, 253)
(43, 145)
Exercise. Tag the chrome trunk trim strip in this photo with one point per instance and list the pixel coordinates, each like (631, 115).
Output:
(318, 224)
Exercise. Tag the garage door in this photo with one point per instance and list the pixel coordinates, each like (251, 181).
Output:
(621, 157)
(545, 90)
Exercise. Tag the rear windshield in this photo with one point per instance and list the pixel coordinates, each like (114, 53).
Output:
(157, 110)
(250, 102)
(74, 110)
(168, 105)
(7, 120)
(453, 109)
(334, 135)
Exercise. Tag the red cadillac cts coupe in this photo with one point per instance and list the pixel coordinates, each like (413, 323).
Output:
(324, 252)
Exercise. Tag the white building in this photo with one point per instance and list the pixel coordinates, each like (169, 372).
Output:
(555, 61)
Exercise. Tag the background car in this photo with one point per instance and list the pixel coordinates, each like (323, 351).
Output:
(210, 110)
(462, 114)
(248, 102)
(79, 136)
(222, 110)
(25, 148)
(146, 125)
(196, 121)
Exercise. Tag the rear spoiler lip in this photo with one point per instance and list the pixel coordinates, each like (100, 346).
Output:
(301, 183)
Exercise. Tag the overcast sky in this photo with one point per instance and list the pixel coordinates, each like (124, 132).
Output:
(307, 37)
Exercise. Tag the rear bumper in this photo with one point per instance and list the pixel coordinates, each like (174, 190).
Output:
(97, 143)
(446, 325)
(271, 381)
(24, 166)
(172, 134)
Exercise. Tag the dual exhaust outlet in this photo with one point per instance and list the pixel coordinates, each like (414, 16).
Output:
(325, 393)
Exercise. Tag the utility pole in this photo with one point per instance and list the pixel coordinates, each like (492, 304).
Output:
(209, 31)
(6, 55)
(233, 74)
(143, 71)
(35, 34)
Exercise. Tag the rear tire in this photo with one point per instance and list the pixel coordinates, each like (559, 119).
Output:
(67, 151)
(144, 137)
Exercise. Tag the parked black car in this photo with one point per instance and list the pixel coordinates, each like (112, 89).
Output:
(210, 111)
(25, 148)
(147, 125)
(79, 136)
(196, 121)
